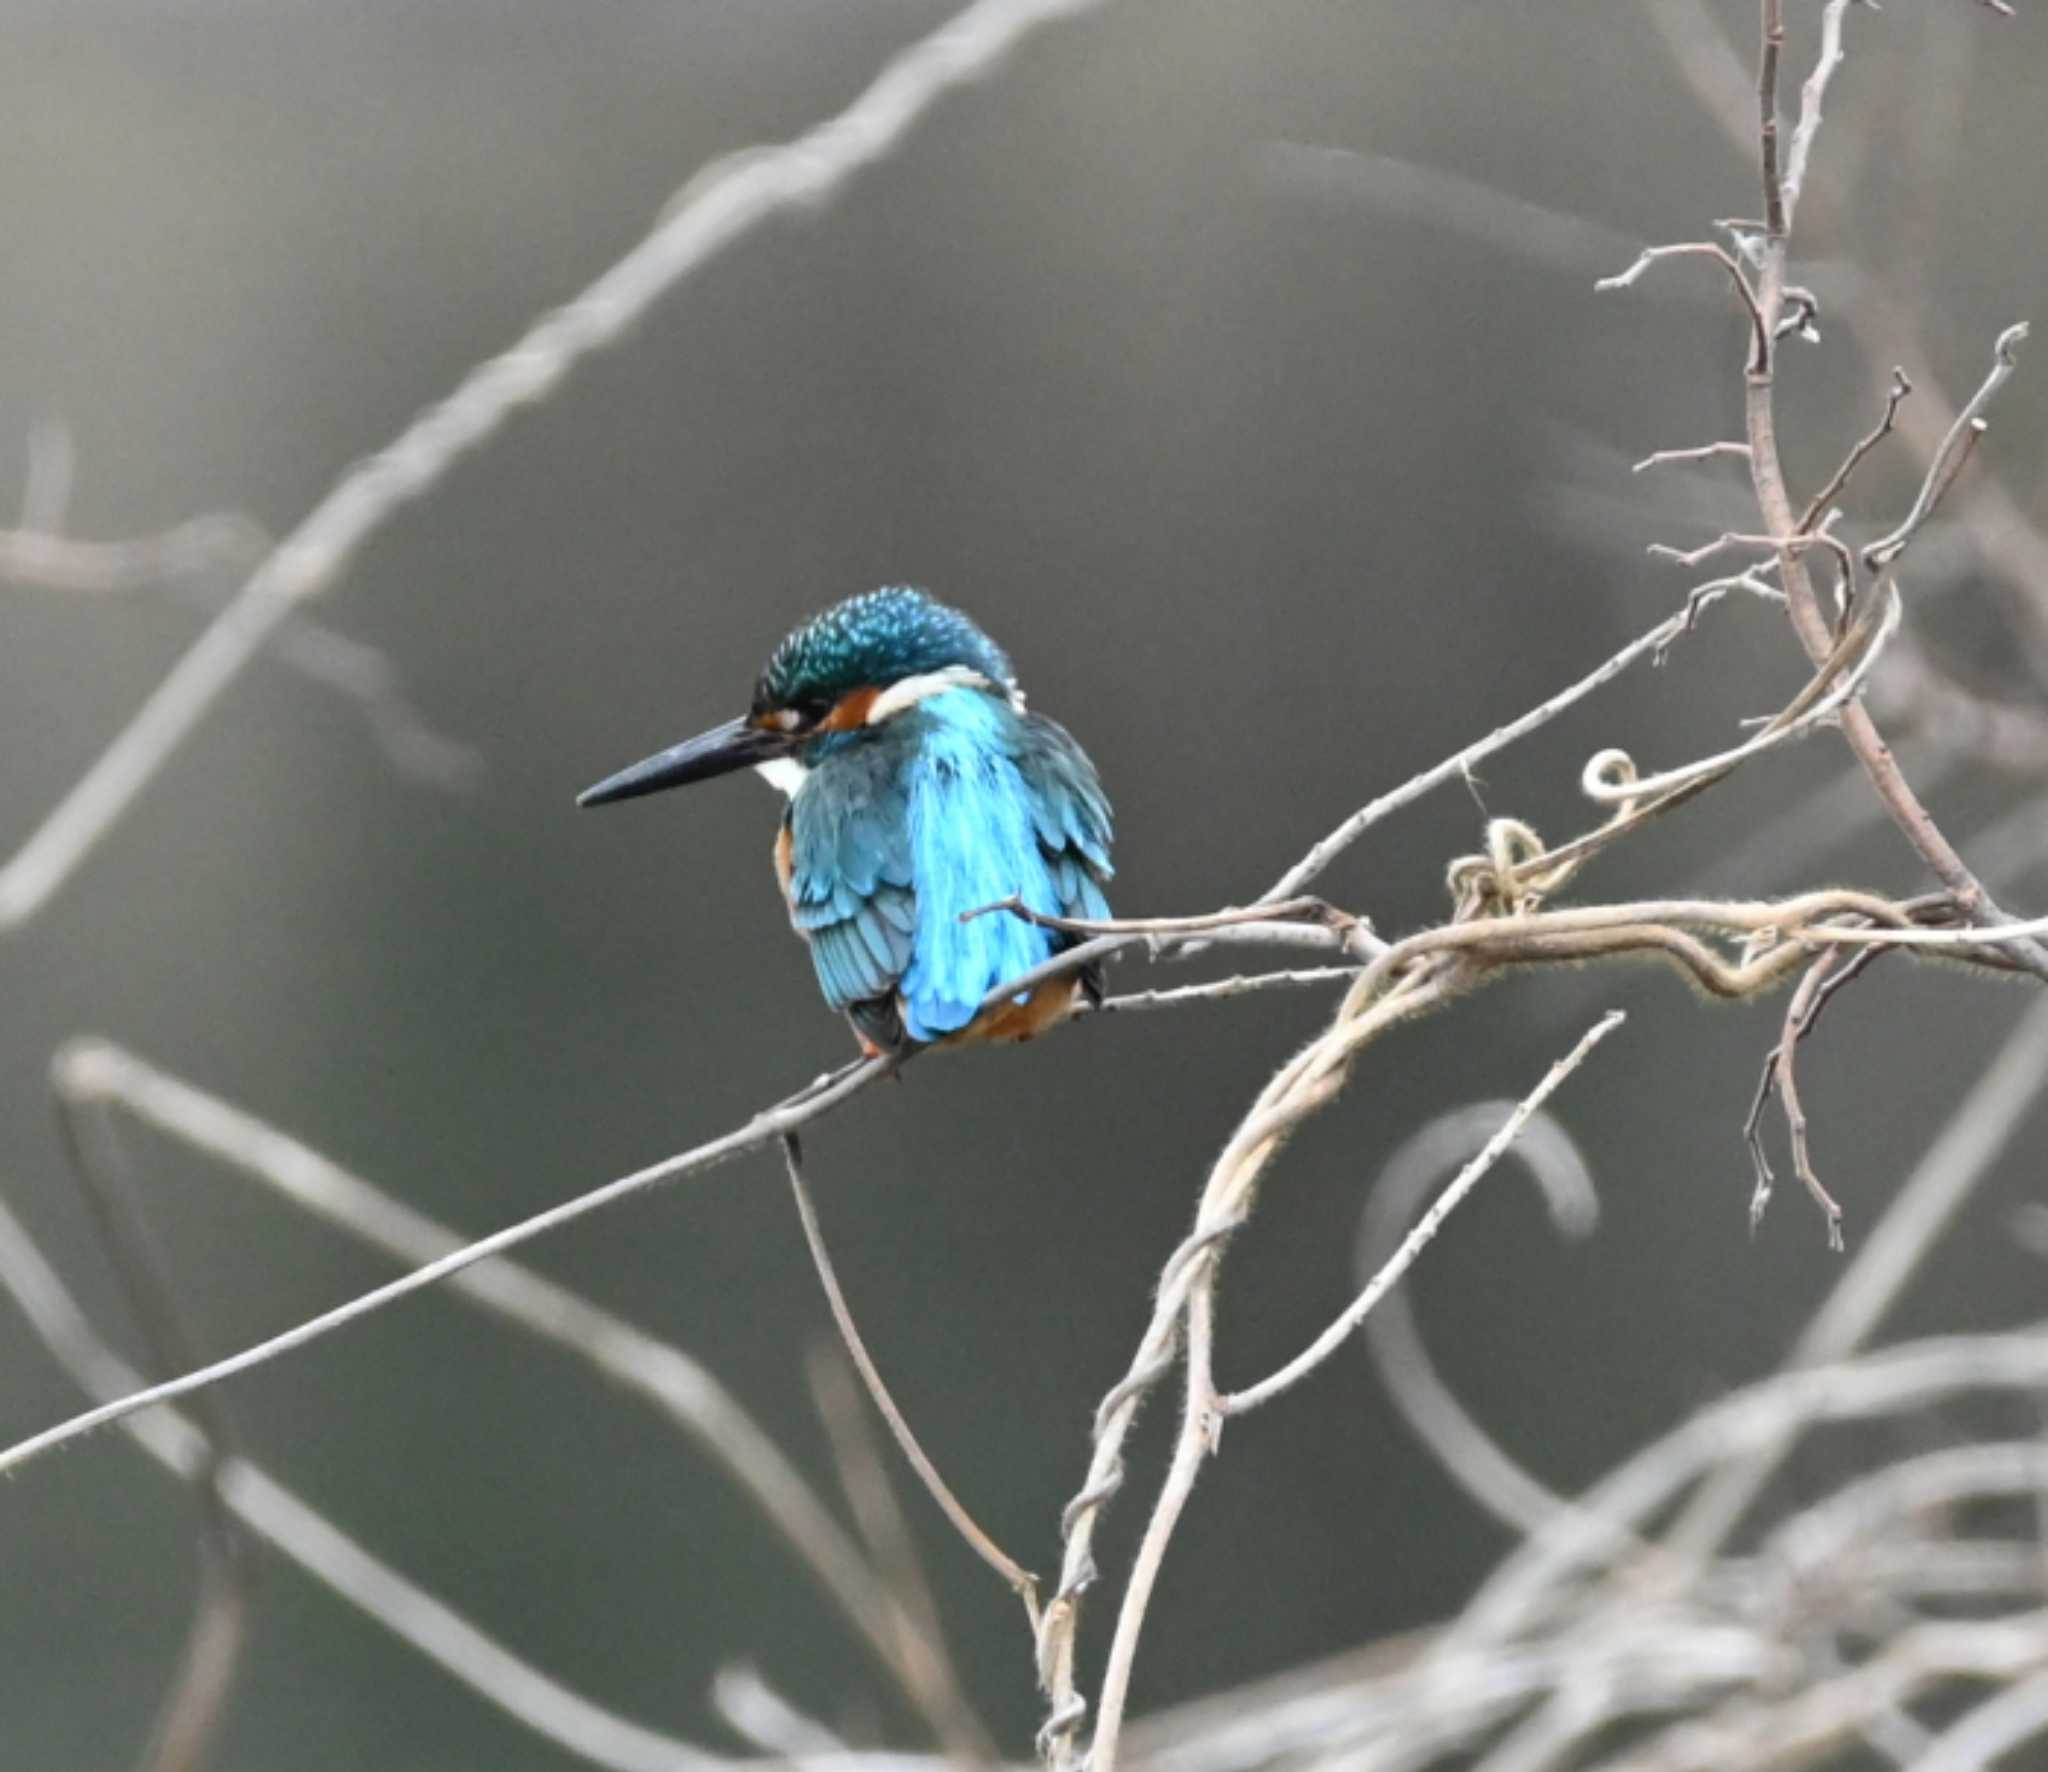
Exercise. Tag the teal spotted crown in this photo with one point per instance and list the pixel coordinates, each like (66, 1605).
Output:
(875, 639)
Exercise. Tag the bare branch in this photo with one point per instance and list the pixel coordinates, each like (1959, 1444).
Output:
(1651, 255)
(1243, 985)
(1954, 451)
(1960, 1157)
(1423, 1233)
(1823, 500)
(1019, 1579)
(1698, 453)
(1460, 764)
(864, 1479)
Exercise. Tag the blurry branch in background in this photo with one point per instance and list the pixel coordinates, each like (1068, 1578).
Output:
(92, 1077)
(281, 1520)
(196, 1706)
(188, 561)
(723, 204)
(1486, 1472)
(864, 1480)
(1390, 1272)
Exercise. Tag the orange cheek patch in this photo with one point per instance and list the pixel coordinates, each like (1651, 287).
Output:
(851, 711)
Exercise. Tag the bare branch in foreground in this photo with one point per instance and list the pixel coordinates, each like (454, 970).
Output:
(1020, 1580)
(746, 191)
(1707, 249)
(1460, 764)
(1423, 1233)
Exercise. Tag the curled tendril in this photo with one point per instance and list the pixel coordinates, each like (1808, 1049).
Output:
(1609, 779)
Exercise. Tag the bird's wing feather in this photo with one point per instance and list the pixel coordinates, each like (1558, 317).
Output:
(850, 876)
(1071, 814)
(879, 877)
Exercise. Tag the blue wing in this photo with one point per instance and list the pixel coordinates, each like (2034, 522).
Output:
(850, 889)
(961, 803)
(1071, 814)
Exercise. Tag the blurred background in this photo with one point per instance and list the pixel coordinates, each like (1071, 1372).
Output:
(1281, 467)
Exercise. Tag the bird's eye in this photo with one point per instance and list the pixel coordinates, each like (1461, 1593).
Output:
(808, 711)
(788, 719)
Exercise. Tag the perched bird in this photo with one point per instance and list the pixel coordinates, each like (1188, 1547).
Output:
(920, 788)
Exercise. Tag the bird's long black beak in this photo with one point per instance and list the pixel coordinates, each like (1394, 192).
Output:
(735, 745)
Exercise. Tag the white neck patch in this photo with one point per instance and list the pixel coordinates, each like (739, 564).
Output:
(909, 691)
(785, 773)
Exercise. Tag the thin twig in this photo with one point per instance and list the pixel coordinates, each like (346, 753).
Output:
(1960, 1157)
(1802, 1014)
(1496, 1481)
(1460, 764)
(1699, 452)
(1316, 911)
(1823, 500)
(1020, 1580)
(764, 1128)
(1242, 985)
(1707, 249)
(1421, 1235)
(1954, 451)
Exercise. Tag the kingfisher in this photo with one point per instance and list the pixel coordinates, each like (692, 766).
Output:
(919, 788)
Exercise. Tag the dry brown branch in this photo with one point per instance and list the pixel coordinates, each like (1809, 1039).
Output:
(1925, 1205)
(1816, 990)
(1775, 501)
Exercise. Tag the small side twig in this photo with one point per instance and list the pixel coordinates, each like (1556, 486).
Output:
(1955, 450)
(1721, 256)
(1816, 990)
(1697, 453)
(1020, 1579)
(1823, 500)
